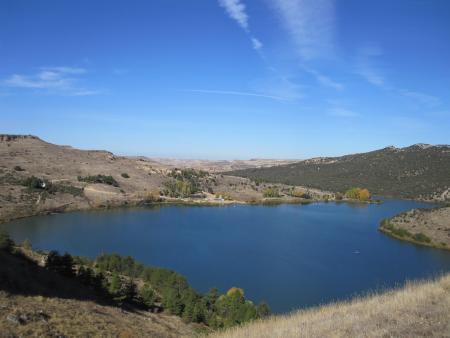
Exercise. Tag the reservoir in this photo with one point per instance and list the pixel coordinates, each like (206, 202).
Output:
(291, 256)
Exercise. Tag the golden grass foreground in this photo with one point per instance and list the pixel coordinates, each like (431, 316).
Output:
(420, 309)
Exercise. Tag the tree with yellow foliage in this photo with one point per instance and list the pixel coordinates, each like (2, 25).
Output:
(360, 194)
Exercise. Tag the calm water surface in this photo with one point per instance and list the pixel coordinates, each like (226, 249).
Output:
(288, 255)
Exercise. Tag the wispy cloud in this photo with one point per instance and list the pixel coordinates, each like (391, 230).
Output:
(366, 65)
(52, 79)
(422, 98)
(237, 11)
(323, 79)
(279, 86)
(311, 25)
(256, 44)
(237, 93)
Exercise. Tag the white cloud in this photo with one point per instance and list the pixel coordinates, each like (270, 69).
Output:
(311, 25)
(236, 11)
(51, 79)
(256, 44)
(41, 80)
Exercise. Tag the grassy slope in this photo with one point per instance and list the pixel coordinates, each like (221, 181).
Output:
(413, 172)
(418, 310)
(50, 305)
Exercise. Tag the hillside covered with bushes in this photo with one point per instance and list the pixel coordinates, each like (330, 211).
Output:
(36, 284)
(418, 172)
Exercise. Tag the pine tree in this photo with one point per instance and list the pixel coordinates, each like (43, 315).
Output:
(148, 295)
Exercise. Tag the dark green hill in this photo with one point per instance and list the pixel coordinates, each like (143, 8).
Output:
(418, 171)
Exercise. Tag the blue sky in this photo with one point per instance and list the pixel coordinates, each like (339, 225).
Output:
(227, 78)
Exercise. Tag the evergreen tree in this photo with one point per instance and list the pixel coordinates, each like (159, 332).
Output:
(147, 295)
(67, 266)
(211, 297)
(86, 276)
(129, 291)
(115, 284)
(172, 301)
(198, 315)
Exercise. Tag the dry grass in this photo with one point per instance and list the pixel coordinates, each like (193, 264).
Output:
(36, 302)
(56, 317)
(434, 223)
(417, 310)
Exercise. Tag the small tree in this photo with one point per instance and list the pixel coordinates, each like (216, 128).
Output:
(61, 264)
(271, 192)
(148, 295)
(67, 265)
(358, 194)
(115, 285)
(263, 310)
(129, 291)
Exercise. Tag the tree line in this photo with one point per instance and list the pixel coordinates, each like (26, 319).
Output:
(124, 281)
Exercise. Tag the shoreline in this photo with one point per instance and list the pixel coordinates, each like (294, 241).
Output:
(181, 202)
(413, 241)
(420, 226)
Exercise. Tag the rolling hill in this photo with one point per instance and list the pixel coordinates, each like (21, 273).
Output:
(420, 171)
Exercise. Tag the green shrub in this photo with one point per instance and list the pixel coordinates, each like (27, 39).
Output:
(125, 175)
(34, 183)
(271, 192)
(400, 232)
(420, 237)
(18, 168)
(148, 295)
(99, 179)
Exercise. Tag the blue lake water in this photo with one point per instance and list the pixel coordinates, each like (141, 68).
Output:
(291, 256)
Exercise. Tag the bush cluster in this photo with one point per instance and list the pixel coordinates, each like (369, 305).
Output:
(271, 192)
(99, 179)
(360, 194)
(185, 182)
(173, 292)
(37, 184)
